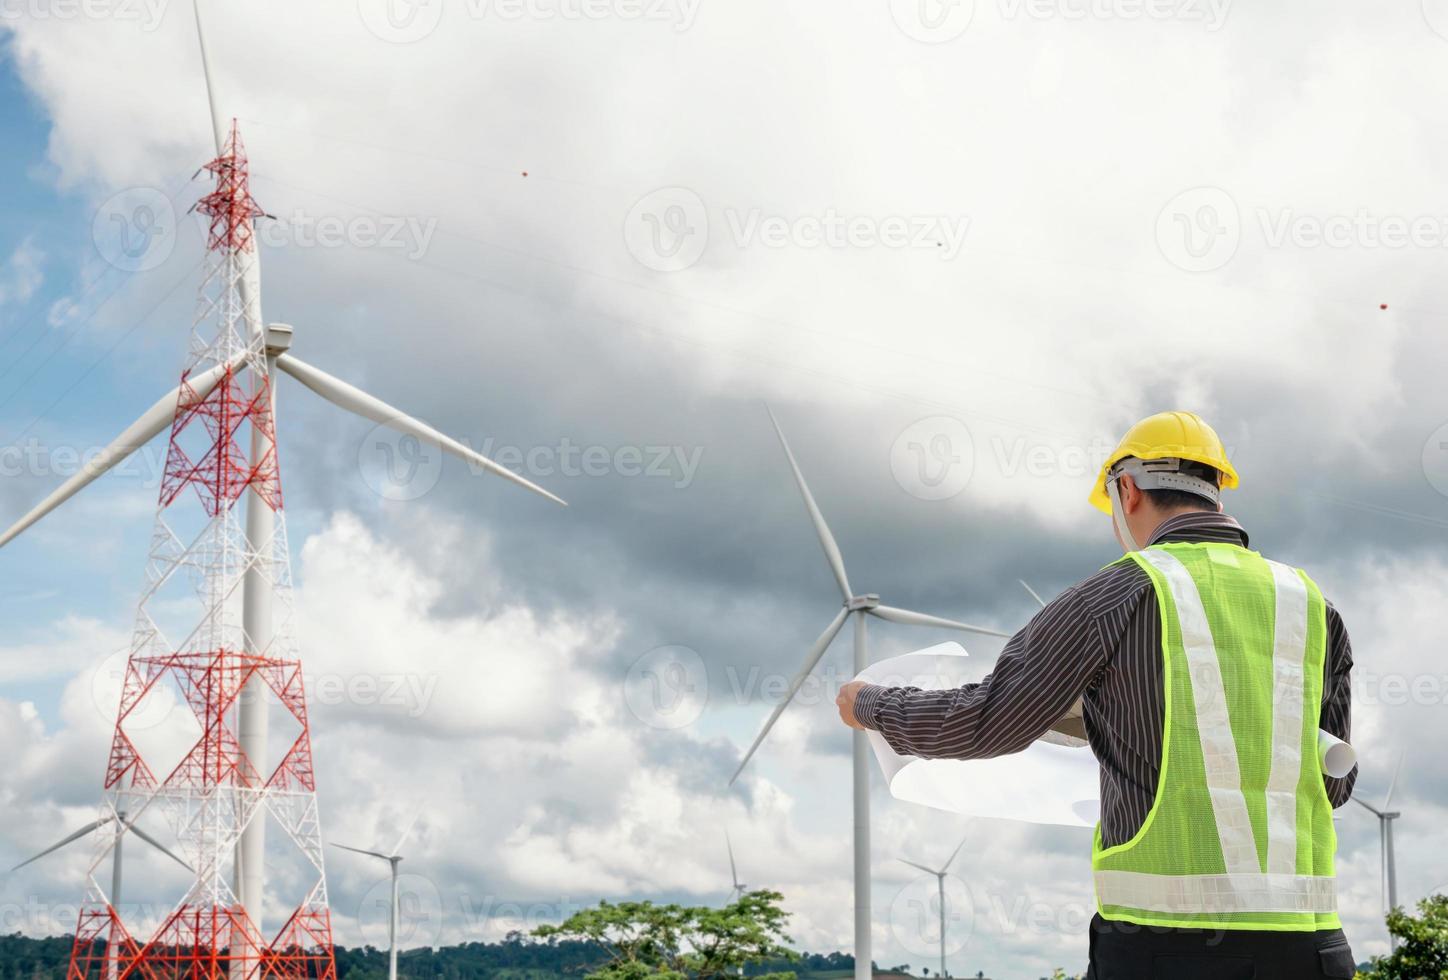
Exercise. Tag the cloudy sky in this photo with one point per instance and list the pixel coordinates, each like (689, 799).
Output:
(957, 248)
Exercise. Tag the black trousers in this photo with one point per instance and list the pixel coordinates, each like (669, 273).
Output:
(1124, 951)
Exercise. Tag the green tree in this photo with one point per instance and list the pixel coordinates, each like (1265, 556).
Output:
(1422, 944)
(676, 942)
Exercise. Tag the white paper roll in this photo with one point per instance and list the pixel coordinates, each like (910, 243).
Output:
(1046, 784)
(1334, 755)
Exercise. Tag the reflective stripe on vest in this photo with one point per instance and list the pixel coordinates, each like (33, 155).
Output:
(1246, 887)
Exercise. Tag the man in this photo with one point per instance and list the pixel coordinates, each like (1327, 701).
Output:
(1203, 672)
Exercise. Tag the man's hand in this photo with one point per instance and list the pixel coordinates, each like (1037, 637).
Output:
(846, 702)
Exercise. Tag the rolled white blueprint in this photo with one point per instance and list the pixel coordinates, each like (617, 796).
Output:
(1046, 783)
(1334, 755)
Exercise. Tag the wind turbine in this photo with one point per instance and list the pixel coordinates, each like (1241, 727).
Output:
(940, 882)
(858, 606)
(739, 887)
(392, 859)
(1389, 869)
(266, 349)
(119, 819)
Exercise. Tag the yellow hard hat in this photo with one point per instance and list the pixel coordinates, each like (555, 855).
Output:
(1167, 435)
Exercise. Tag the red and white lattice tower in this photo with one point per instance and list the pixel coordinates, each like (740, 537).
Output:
(227, 652)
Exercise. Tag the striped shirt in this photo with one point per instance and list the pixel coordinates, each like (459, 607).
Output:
(1099, 642)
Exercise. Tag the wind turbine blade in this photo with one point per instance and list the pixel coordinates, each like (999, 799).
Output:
(813, 657)
(358, 402)
(159, 846)
(910, 618)
(1393, 783)
(1034, 594)
(359, 850)
(397, 848)
(733, 872)
(1366, 805)
(951, 860)
(827, 540)
(216, 128)
(155, 420)
(61, 843)
(929, 871)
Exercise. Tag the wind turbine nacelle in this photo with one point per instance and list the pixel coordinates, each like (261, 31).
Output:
(278, 338)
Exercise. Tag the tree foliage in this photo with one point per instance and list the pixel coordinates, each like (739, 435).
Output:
(676, 942)
(1422, 944)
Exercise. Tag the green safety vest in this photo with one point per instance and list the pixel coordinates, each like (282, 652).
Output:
(1239, 835)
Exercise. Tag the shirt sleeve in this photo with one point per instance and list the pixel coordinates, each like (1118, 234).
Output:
(1039, 675)
(1337, 701)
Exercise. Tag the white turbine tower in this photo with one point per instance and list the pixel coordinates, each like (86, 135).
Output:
(739, 888)
(1389, 868)
(859, 606)
(940, 883)
(393, 859)
(262, 533)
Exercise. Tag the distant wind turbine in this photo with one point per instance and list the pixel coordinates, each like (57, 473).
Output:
(1389, 870)
(393, 859)
(859, 606)
(120, 820)
(739, 887)
(940, 882)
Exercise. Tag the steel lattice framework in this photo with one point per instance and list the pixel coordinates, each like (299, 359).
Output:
(222, 447)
